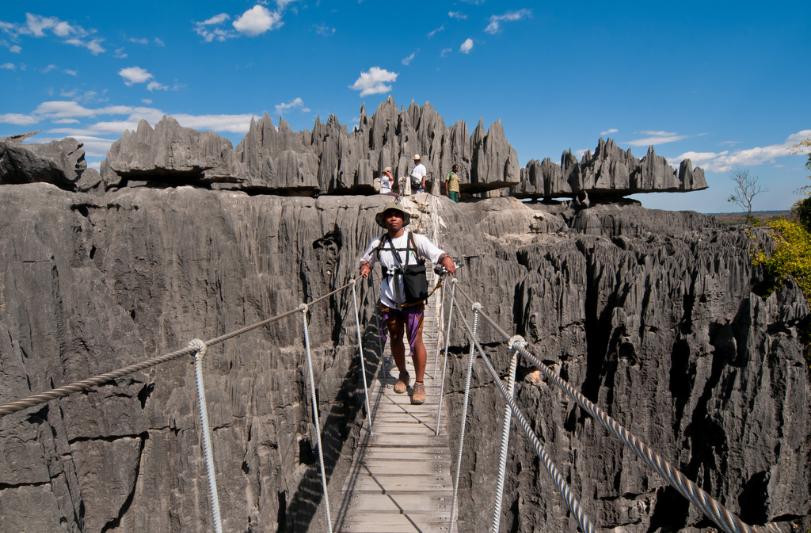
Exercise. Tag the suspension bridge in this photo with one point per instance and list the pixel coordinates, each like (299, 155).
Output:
(404, 476)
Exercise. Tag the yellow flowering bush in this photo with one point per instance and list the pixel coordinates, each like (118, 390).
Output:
(791, 256)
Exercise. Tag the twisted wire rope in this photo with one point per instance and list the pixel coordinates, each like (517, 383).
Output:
(85, 384)
(712, 508)
(557, 478)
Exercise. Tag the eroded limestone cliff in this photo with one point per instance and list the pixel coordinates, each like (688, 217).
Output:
(651, 314)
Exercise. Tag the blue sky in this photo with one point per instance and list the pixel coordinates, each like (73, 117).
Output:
(725, 83)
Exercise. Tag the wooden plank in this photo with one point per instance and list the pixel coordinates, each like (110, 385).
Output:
(398, 484)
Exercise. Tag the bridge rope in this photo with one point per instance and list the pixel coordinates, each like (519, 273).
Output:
(101, 379)
(711, 508)
(557, 478)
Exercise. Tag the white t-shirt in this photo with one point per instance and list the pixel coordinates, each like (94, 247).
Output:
(425, 250)
(385, 184)
(419, 172)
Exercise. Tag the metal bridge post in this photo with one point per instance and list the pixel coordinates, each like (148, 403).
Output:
(505, 434)
(199, 348)
(471, 356)
(445, 360)
(362, 358)
(316, 417)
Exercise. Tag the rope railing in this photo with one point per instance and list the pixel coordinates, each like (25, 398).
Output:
(198, 348)
(711, 508)
(557, 478)
(101, 379)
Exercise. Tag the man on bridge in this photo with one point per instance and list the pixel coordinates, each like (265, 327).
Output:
(397, 249)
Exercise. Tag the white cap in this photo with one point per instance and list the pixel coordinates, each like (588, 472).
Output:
(416, 157)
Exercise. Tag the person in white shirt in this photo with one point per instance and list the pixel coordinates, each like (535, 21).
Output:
(410, 248)
(418, 175)
(386, 181)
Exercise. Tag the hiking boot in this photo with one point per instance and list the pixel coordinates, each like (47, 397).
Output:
(418, 394)
(402, 383)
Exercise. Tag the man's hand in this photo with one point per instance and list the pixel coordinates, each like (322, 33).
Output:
(365, 270)
(448, 264)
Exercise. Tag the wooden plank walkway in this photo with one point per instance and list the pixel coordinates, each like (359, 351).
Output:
(401, 474)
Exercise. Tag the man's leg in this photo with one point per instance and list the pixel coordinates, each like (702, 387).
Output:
(418, 353)
(395, 327)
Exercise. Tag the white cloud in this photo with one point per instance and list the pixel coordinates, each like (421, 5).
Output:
(18, 119)
(494, 25)
(139, 40)
(71, 72)
(94, 45)
(282, 4)
(445, 52)
(216, 19)
(15, 49)
(8, 66)
(374, 81)
(466, 46)
(458, 15)
(408, 59)
(156, 86)
(147, 101)
(609, 131)
(727, 160)
(435, 31)
(324, 30)
(205, 30)
(133, 75)
(257, 20)
(48, 68)
(157, 41)
(295, 103)
(120, 53)
(65, 121)
(657, 137)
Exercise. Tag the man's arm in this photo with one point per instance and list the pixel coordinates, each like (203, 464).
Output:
(433, 253)
(368, 259)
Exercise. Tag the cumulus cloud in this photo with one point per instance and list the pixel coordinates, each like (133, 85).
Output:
(138, 75)
(8, 66)
(38, 26)
(134, 75)
(94, 45)
(257, 20)
(253, 22)
(15, 49)
(408, 59)
(295, 104)
(726, 160)
(494, 25)
(466, 46)
(458, 15)
(376, 80)
(609, 131)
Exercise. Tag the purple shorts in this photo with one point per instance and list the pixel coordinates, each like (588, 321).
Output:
(410, 317)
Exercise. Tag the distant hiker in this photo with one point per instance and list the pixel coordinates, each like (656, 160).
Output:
(417, 176)
(401, 254)
(386, 181)
(452, 183)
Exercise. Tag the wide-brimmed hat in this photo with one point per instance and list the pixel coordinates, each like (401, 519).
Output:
(416, 157)
(392, 206)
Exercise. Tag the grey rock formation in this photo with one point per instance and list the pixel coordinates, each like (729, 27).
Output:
(169, 153)
(609, 172)
(59, 162)
(328, 159)
(650, 314)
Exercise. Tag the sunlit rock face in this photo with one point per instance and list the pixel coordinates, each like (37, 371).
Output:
(650, 314)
